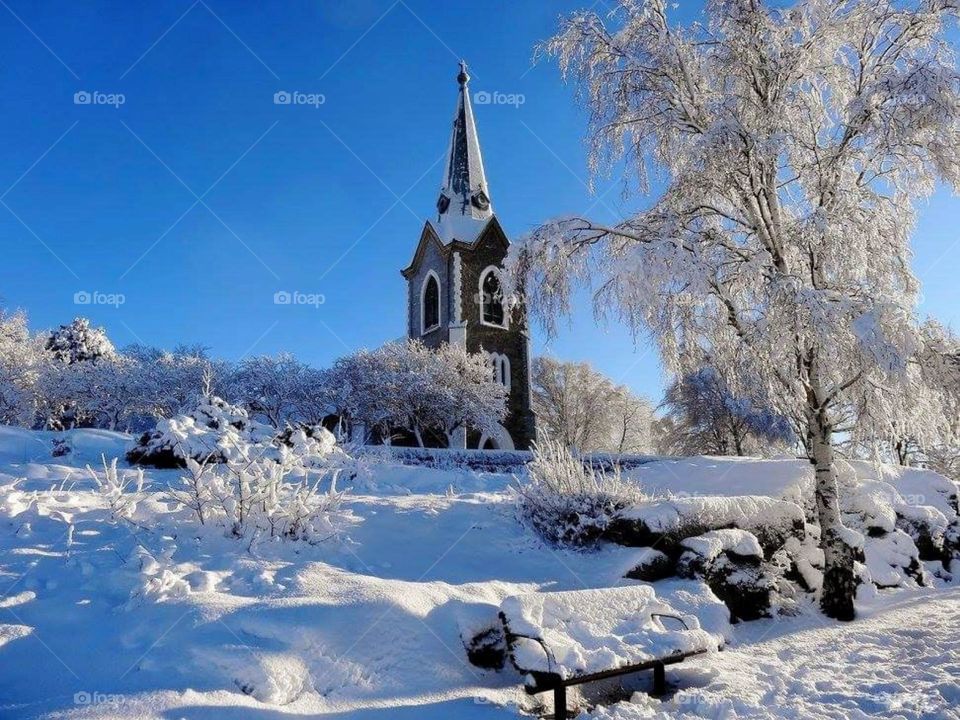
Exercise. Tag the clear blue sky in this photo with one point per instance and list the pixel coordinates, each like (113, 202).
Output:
(326, 200)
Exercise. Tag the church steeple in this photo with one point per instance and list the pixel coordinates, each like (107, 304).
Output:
(463, 207)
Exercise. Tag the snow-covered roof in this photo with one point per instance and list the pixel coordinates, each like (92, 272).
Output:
(463, 206)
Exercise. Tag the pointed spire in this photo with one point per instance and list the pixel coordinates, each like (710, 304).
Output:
(464, 203)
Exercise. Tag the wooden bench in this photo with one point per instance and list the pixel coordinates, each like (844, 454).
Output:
(562, 639)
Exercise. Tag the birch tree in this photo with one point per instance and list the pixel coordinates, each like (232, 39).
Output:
(791, 143)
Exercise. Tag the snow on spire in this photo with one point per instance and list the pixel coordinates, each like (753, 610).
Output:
(464, 204)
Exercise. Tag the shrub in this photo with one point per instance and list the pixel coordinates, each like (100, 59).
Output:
(567, 502)
(120, 491)
(252, 495)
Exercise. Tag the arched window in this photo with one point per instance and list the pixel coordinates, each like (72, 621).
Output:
(491, 298)
(430, 303)
(500, 365)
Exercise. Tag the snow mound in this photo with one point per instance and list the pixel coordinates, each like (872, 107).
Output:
(695, 598)
(726, 477)
(271, 677)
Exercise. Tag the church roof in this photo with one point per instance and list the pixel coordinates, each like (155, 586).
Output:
(463, 207)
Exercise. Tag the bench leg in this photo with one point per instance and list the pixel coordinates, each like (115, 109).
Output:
(659, 679)
(560, 702)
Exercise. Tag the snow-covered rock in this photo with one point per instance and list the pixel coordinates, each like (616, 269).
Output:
(731, 562)
(649, 564)
(733, 542)
(664, 523)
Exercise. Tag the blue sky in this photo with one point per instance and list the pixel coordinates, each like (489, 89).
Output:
(198, 198)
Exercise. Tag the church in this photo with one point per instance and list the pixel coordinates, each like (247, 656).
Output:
(454, 282)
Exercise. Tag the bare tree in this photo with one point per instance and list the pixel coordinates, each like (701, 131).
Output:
(706, 418)
(584, 409)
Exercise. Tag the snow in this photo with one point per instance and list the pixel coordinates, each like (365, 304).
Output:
(581, 632)
(160, 618)
(746, 512)
(711, 544)
(787, 479)
(900, 661)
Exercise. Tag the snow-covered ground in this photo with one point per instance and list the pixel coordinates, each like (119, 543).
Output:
(107, 619)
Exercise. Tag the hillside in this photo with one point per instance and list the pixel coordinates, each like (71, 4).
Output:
(153, 619)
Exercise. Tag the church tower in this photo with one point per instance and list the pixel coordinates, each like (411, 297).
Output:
(454, 280)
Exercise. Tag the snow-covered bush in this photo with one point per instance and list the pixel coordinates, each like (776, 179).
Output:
(214, 431)
(568, 502)
(251, 495)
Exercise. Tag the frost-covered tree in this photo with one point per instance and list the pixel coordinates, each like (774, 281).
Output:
(81, 371)
(79, 342)
(932, 400)
(21, 362)
(172, 382)
(104, 393)
(706, 418)
(792, 141)
(586, 410)
(279, 389)
(407, 385)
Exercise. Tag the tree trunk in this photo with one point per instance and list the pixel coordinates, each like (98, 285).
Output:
(839, 579)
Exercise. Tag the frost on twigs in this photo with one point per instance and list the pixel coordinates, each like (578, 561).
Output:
(121, 491)
(567, 502)
(253, 496)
